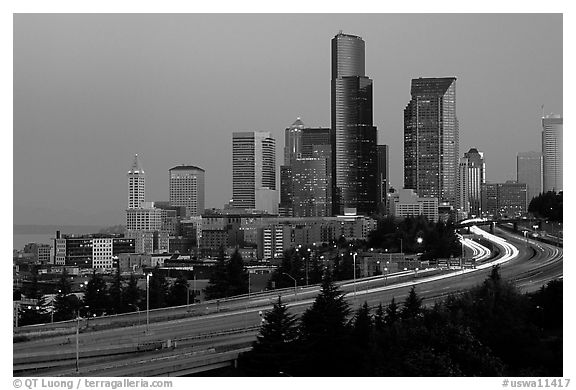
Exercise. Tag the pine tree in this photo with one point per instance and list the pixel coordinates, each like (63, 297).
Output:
(273, 350)
(116, 301)
(178, 295)
(412, 305)
(237, 275)
(131, 294)
(65, 303)
(392, 312)
(362, 325)
(96, 296)
(218, 284)
(158, 289)
(379, 318)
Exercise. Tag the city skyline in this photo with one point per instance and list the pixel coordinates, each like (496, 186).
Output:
(93, 122)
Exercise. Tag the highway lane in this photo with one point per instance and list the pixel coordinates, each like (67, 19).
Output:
(533, 264)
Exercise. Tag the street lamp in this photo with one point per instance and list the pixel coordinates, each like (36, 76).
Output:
(147, 301)
(77, 338)
(354, 257)
(295, 286)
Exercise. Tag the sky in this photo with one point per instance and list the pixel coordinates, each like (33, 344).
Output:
(91, 90)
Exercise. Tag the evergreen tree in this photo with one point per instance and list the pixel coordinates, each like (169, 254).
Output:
(158, 289)
(96, 295)
(392, 312)
(362, 326)
(273, 349)
(379, 318)
(315, 271)
(116, 301)
(178, 295)
(33, 289)
(131, 294)
(218, 284)
(412, 305)
(65, 303)
(237, 275)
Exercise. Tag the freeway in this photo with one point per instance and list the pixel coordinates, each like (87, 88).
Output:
(219, 331)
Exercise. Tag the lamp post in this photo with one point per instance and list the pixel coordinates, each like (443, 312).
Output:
(147, 301)
(401, 246)
(295, 286)
(354, 257)
(385, 276)
(77, 341)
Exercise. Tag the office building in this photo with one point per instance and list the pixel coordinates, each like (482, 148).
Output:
(254, 171)
(187, 188)
(353, 137)
(476, 176)
(406, 203)
(383, 176)
(311, 187)
(504, 199)
(431, 139)
(529, 172)
(463, 203)
(552, 152)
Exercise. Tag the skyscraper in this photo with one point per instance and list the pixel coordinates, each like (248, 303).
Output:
(136, 184)
(529, 172)
(354, 151)
(383, 176)
(431, 139)
(476, 176)
(254, 171)
(463, 187)
(187, 188)
(552, 152)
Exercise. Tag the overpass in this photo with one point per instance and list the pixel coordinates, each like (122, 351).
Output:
(188, 340)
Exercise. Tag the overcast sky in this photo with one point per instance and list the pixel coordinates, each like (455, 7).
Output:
(90, 91)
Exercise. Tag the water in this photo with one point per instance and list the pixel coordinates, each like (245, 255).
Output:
(45, 234)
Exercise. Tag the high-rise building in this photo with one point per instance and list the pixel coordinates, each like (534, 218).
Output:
(476, 175)
(383, 176)
(406, 203)
(529, 171)
(254, 171)
(187, 188)
(463, 203)
(303, 146)
(354, 138)
(504, 199)
(431, 139)
(136, 185)
(552, 152)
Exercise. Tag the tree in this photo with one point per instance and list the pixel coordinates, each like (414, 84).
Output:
(116, 301)
(236, 275)
(379, 318)
(412, 305)
(96, 295)
(158, 289)
(324, 334)
(273, 349)
(178, 295)
(392, 312)
(218, 284)
(131, 294)
(66, 304)
(362, 326)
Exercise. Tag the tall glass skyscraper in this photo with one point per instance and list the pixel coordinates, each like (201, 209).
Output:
(254, 171)
(431, 139)
(354, 139)
(552, 152)
(529, 171)
(476, 176)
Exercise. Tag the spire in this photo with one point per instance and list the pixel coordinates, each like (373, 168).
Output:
(297, 123)
(136, 166)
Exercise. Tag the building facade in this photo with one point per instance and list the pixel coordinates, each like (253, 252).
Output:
(552, 152)
(431, 139)
(406, 203)
(476, 176)
(254, 171)
(353, 137)
(136, 184)
(529, 172)
(383, 176)
(186, 187)
(504, 199)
